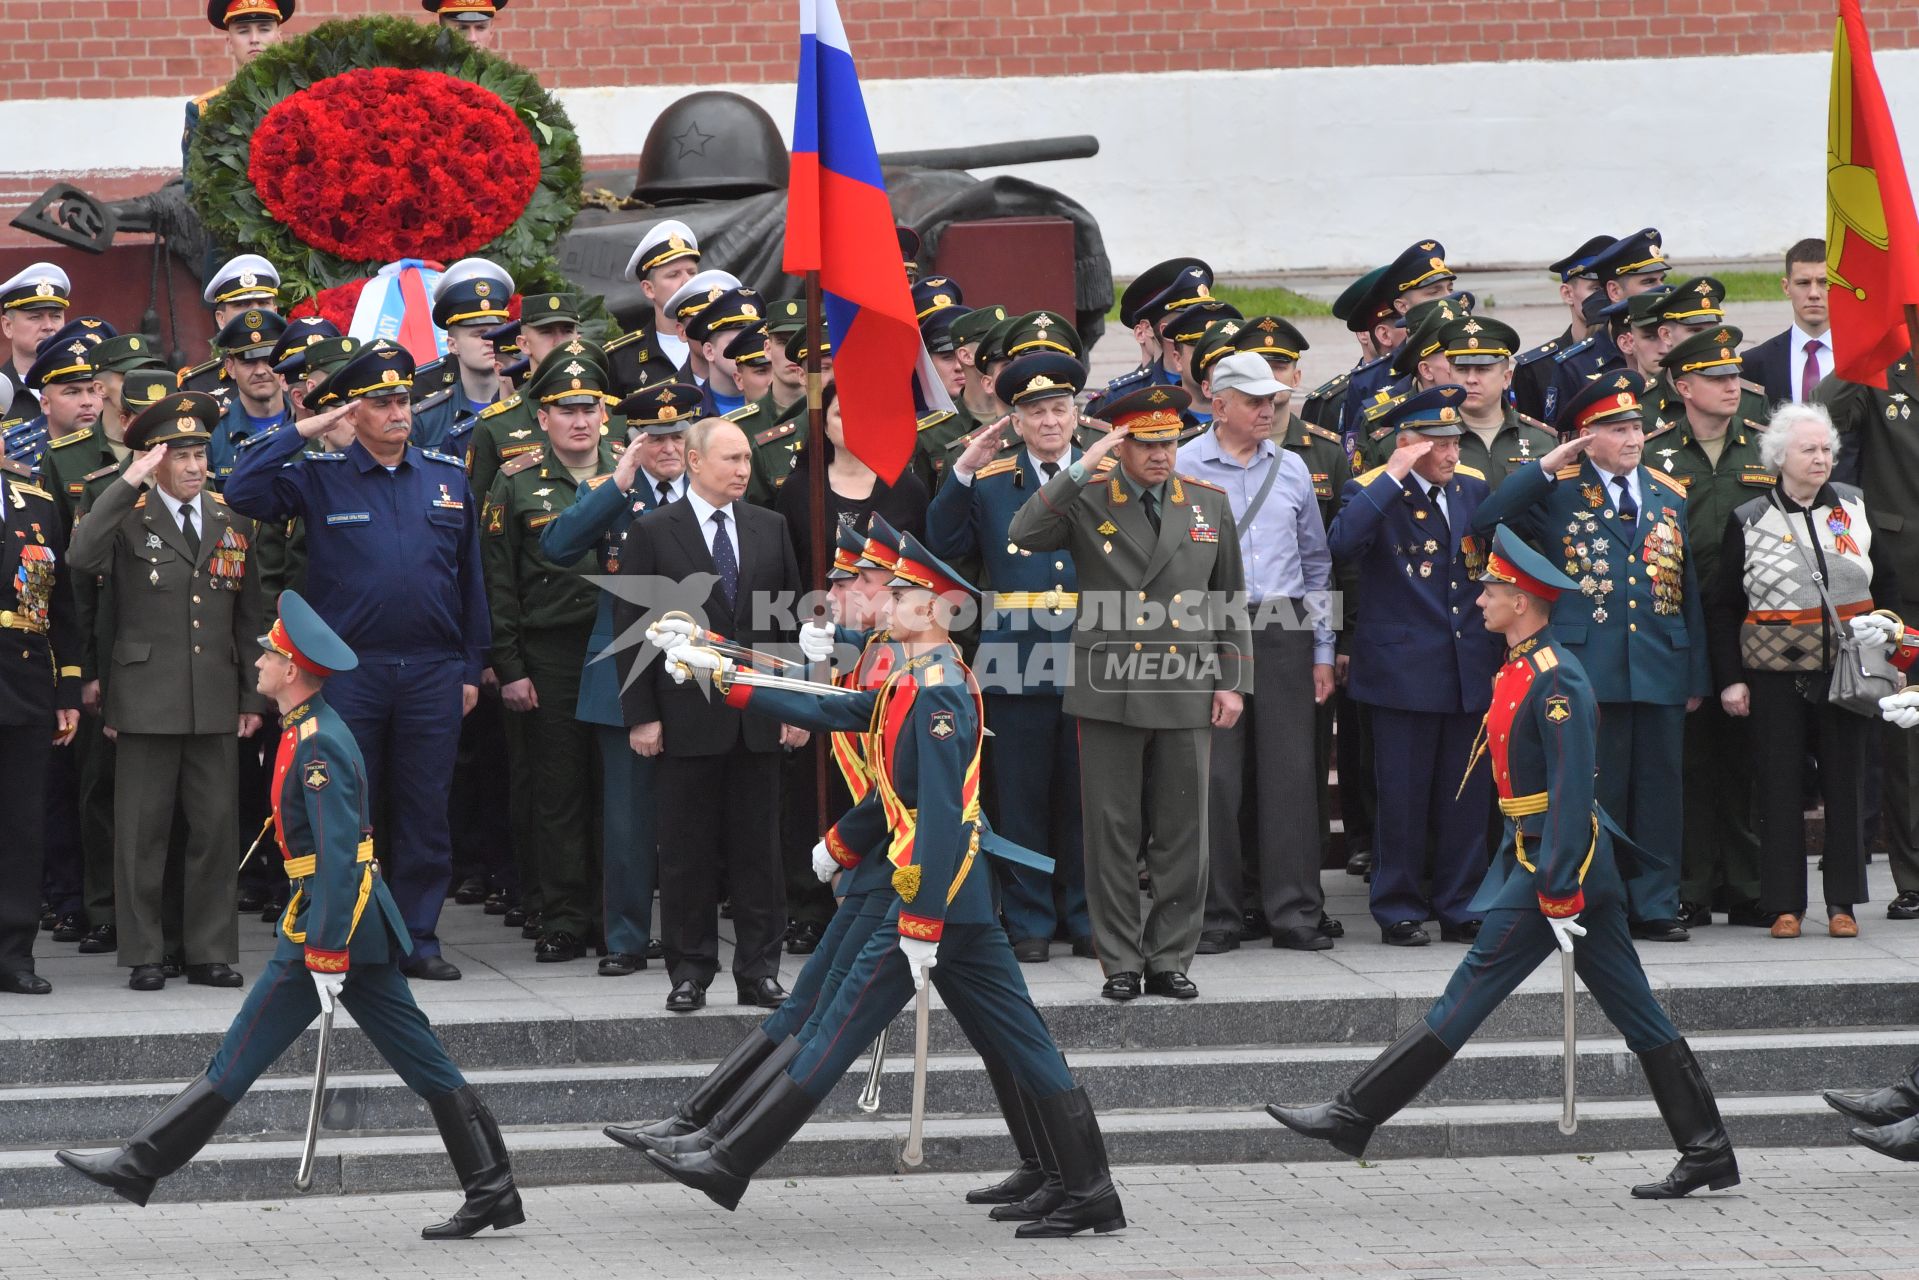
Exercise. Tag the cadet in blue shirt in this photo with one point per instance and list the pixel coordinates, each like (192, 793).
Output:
(259, 401)
(1423, 663)
(393, 565)
(469, 301)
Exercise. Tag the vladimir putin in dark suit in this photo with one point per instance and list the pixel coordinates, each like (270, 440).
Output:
(719, 770)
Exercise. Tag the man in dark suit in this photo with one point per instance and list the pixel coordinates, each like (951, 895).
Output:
(718, 773)
(1791, 365)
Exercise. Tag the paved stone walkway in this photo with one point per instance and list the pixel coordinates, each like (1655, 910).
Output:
(1822, 1212)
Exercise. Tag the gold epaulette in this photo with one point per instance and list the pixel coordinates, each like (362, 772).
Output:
(1203, 484)
(513, 466)
(1567, 473)
(1313, 429)
(72, 437)
(20, 487)
(934, 418)
(779, 432)
(308, 728)
(1674, 483)
(214, 497)
(1464, 470)
(632, 335)
(501, 406)
(1370, 476)
(1105, 464)
(139, 502)
(594, 482)
(1545, 660)
(742, 413)
(997, 467)
(1526, 420)
(201, 100)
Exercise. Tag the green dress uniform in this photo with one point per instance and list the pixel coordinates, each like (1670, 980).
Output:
(1521, 440)
(542, 615)
(776, 436)
(1151, 645)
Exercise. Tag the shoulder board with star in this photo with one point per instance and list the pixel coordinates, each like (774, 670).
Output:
(195, 370)
(1569, 352)
(1567, 472)
(1539, 352)
(431, 401)
(1752, 386)
(319, 457)
(500, 406)
(779, 432)
(107, 470)
(1197, 483)
(513, 466)
(447, 458)
(934, 418)
(1313, 429)
(594, 482)
(73, 437)
(1526, 420)
(1464, 470)
(742, 413)
(16, 466)
(1674, 483)
(998, 467)
(1330, 386)
(955, 445)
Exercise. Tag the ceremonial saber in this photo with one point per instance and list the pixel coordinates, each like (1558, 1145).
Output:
(870, 1095)
(304, 1178)
(763, 680)
(914, 1153)
(248, 855)
(1569, 1117)
(719, 643)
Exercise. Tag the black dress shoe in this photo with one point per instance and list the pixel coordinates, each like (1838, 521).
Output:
(1301, 938)
(1217, 942)
(1360, 863)
(1406, 933)
(655, 950)
(1331, 927)
(514, 916)
(618, 964)
(213, 975)
(1465, 931)
(21, 983)
(272, 910)
(496, 903)
(766, 993)
(1083, 947)
(1172, 984)
(804, 940)
(558, 947)
(1695, 915)
(1121, 986)
(434, 968)
(1899, 1140)
(1251, 925)
(1903, 907)
(1747, 915)
(686, 997)
(471, 890)
(533, 928)
(101, 940)
(48, 917)
(1033, 950)
(70, 927)
(172, 966)
(1660, 931)
(249, 903)
(146, 977)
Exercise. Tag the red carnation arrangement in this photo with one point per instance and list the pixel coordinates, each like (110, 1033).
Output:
(384, 163)
(333, 305)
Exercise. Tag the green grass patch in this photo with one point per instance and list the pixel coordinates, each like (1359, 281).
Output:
(1256, 302)
(1749, 286)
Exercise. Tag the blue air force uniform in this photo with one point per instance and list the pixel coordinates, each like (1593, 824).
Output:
(1422, 662)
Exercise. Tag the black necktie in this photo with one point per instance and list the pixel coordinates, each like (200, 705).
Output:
(1050, 468)
(186, 527)
(1432, 495)
(1150, 504)
(666, 492)
(1628, 510)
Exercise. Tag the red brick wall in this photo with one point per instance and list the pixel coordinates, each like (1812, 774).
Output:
(137, 48)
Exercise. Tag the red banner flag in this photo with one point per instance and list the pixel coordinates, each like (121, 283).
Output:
(1872, 234)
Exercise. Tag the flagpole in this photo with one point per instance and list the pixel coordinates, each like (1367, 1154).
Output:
(816, 495)
(1912, 334)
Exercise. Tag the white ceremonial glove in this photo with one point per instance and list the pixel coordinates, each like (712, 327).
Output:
(920, 957)
(683, 660)
(1565, 929)
(823, 864)
(328, 985)
(816, 640)
(1901, 709)
(667, 632)
(1876, 628)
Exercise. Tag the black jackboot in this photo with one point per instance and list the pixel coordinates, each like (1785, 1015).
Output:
(1050, 1193)
(1068, 1125)
(479, 1157)
(1886, 1106)
(694, 1110)
(1026, 1179)
(733, 1110)
(724, 1170)
(163, 1144)
(1692, 1117)
(1392, 1080)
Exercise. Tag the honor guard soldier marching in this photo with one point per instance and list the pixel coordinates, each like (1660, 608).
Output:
(393, 556)
(1635, 623)
(543, 612)
(1499, 439)
(1555, 883)
(1158, 660)
(1533, 368)
(1423, 664)
(338, 944)
(246, 283)
(468, 301)
(257, 403)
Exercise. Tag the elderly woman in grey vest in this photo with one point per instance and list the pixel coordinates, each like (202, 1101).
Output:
(1797, 564)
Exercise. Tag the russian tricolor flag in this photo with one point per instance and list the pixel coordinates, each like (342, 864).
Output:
(839, 223)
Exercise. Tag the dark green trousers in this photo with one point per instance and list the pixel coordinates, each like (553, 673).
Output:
(562, 766)
(156, 774)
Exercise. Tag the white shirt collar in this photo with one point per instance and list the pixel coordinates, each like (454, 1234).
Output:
(172, 504)
(703, 510)
(673, 487)
(1063, 462)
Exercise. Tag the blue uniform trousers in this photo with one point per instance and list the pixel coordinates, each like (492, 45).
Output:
(283, 1003)
(406, 719)
(1513, 942)
(978, 979)
(1642, 785)
(870, 913)
(822, 971)
(1419, 758)
(630, 849)
(1035, 750)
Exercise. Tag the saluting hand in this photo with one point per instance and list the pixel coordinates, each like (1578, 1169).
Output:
(1102, 446)
(144, 464)
(627, 471)
(1400, 464)
(320, 422)
(1567, 452)
(980, 449)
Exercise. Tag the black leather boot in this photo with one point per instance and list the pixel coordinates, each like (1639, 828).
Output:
(1393, 1079)
(696, 1108)
(724, 1170)
(1886, 1106)
(163, 1144)
(1692, 1117)
(478, 1152)
(1092, 1201)
(1026, 1179)
(1050, 1194)
(1900, 1141)
(732, 1111)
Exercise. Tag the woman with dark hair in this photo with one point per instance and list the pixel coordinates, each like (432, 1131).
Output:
(853, 492)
